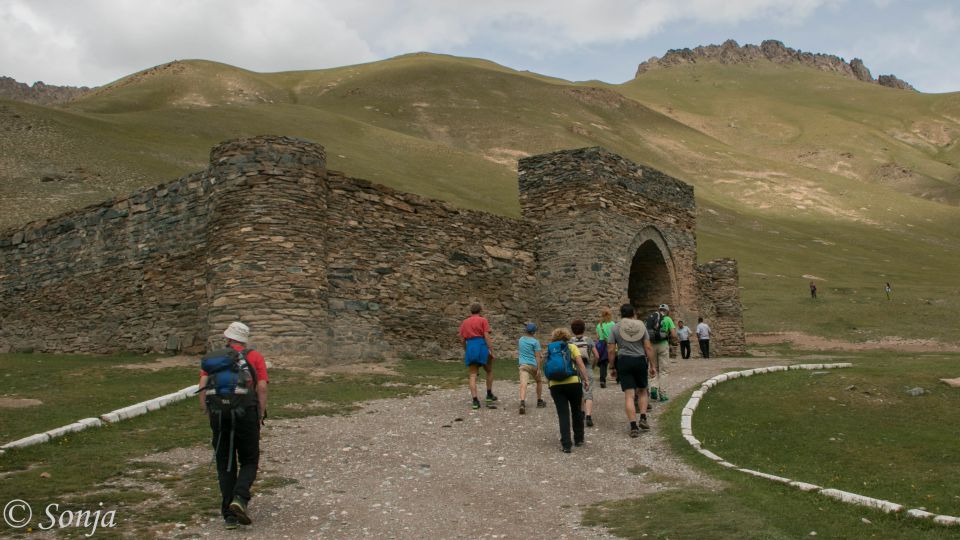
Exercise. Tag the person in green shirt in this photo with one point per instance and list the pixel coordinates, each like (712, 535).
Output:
(661, 350)
(603, 332)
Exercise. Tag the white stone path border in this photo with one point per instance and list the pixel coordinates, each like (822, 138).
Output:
(111, 417)
(686, 427)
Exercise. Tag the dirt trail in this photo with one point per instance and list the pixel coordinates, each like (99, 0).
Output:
(808, 342)
(406, 468)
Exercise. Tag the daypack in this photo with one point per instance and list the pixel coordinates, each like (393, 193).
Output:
(559, 364)
(586, 350)
(655, 327)
(231, 381)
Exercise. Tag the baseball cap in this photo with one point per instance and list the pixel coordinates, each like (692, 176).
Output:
(530, 327)
(664, 307)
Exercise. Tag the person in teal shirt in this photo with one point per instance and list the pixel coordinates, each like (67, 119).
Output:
(529, 359)
(661, 349)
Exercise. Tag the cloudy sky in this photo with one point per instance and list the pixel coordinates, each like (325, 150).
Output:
(92, 42)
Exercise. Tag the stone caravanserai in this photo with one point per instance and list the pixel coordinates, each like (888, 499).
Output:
(339, 269)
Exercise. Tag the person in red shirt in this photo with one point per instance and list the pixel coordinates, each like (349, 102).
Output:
(236, 432)
(478, 351)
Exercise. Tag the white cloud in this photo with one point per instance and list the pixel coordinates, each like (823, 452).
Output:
(94, 41)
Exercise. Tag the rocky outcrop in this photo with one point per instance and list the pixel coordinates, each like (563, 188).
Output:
(730, 52)
(893, 82)
(39, 93)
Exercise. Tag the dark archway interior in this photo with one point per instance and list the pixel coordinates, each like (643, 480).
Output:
(649, 284)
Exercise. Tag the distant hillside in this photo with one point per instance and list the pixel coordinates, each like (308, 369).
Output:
(801, 172)
(40, 93)
(773, 51)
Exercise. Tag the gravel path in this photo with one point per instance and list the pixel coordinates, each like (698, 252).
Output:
(408, 468)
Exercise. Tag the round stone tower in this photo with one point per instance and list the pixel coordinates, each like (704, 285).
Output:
(265, 243)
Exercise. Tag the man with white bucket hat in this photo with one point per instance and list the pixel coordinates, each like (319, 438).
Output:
(233, 393)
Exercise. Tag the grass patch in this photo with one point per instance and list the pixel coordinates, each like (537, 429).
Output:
(765, 422)
(103, 465)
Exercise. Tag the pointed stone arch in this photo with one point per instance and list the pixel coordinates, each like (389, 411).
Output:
(652, 277)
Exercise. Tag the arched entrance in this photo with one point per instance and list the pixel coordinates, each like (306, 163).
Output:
(651, 280)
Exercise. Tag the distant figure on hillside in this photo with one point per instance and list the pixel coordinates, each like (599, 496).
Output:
(603, 332)
(478, 351)
(813, 290)
(683, 334)
(888, 289)
(530, 360)
(703, 337)
(233, 394)
(632, 362)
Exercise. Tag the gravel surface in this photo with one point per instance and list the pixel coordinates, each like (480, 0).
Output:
(430, 467)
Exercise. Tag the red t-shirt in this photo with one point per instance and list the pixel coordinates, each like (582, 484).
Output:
(474, 326)
(255, 360)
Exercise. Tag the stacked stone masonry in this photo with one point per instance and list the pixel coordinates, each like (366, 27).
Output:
(343, 270)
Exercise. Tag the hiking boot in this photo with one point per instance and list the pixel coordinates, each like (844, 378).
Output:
(523, 408)
(567, 450)
(476, 404)
(491, 397)
(239, 509)
(579, 443)
(663, 396)
(603, 384)
(642, 423)
(541, 403)
(654, 392)
(230, 522)
(634, 433)
(589, 421)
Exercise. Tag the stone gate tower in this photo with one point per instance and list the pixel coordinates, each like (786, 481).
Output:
(607, 231)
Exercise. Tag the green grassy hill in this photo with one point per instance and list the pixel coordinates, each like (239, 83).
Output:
(797, 172)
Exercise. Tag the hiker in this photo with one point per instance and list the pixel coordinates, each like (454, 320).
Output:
(233, 393)
(813, 290)
(683, 334)
(530, 359)
(703, 337)
(589, 355)
(662, 332)
(887, 289)
(568, 378)
(603, 332)
(631, 360)
(478, 351)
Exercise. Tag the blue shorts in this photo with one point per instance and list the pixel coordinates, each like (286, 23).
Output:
(477, 352)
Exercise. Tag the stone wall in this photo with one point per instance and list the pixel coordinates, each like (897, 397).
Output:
(126, 274)
(718, 286)
(342, 270)
(404, 269)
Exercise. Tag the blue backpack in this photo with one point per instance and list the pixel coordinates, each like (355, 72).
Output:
(559, 364)
(231, 381)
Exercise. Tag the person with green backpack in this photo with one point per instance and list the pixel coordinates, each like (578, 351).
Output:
(565, 370)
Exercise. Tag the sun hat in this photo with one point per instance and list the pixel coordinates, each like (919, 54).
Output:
(237, 331)
(530, 328)
(664, 307)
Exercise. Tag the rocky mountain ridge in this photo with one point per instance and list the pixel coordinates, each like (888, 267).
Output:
(39, 92)
(730, 52)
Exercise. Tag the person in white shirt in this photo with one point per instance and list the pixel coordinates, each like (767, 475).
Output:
(683, 334)
(703, 336)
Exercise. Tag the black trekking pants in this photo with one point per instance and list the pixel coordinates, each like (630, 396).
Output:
(567, 398)
(242, 459)
(685, 349)
(705, 348)
(603, 371)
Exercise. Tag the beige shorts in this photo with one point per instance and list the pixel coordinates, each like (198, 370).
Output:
(529, 374)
